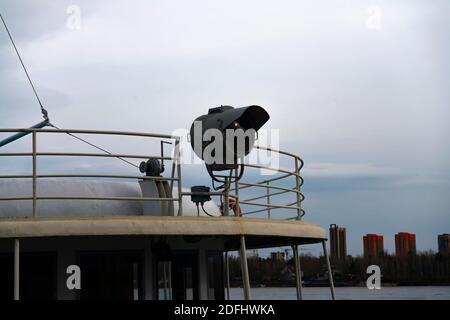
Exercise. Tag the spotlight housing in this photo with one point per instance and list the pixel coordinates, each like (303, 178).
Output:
(247, 119)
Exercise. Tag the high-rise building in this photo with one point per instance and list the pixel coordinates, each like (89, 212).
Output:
(405, 243)
(373, 245)
(338, 242)
(444, 243)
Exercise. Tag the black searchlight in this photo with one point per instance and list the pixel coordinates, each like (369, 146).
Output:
(225, 135)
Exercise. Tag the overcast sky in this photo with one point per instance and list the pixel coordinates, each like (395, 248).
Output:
(360, 89)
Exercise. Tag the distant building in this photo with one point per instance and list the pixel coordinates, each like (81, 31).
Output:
(444, 243)
(338, 242)
(373, 245)
(277, 256)
(405, 243)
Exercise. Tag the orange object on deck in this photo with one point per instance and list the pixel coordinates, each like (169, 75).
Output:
(233, 206)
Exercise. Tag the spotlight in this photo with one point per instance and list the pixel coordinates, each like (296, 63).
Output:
(225, 135)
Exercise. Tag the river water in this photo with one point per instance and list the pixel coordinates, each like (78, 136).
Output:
(348, 293)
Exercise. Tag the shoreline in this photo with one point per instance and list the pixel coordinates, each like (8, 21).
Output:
(347, 286)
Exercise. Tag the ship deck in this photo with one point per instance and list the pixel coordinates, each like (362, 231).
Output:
(77, 209)
(259, 233)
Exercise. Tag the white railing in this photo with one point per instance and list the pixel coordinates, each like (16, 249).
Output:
(35, 154)
(262, 203)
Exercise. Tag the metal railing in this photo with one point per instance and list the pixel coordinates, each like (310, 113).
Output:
(274, 190)
(34, 154)
(274, 187)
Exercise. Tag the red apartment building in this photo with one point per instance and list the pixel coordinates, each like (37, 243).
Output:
(373, 245)
(405, 243)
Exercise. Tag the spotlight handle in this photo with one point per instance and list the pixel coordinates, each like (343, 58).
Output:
(162, 154)
(216, 177)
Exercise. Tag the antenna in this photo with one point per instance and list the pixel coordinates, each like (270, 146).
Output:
(44, 112)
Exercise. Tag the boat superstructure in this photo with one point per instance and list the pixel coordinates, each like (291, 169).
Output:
(137, 236)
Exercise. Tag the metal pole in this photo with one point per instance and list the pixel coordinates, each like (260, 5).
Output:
(178, 159)
(268, 199)
(172, 175)
(19, 135)
(34, 174)
(227, 274)
(226, 209)
(16, 268)
(244, 269)
(297, 187)
(330, 273)
(298, 272)
(236, 191)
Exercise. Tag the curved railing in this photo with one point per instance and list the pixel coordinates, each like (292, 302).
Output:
(252, 203)
(274, 188)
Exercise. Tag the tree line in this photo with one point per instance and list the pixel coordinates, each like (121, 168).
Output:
(426, 268)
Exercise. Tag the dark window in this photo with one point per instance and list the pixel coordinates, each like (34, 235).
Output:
(215, 275)
(110, 275)
(177, 279)
(37, 276)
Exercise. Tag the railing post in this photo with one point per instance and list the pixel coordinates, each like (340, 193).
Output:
(34, 173)
(226, 195)
(297, 187)
(178, 159)
(236, 191)
(172, 175)
(268, 199)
